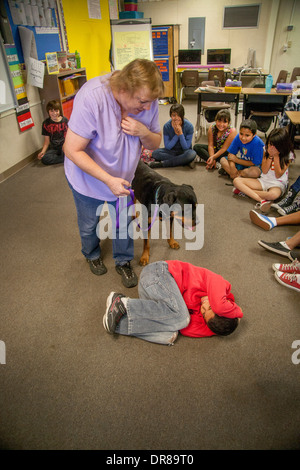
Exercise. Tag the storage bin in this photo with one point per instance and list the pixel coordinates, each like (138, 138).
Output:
(131, 14)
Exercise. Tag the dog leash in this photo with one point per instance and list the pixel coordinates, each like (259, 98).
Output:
(131, 203)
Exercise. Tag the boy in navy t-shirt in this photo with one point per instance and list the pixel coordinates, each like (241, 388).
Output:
(251, 149)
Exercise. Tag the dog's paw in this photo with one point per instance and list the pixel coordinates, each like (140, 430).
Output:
(144, 260)
(174, 245)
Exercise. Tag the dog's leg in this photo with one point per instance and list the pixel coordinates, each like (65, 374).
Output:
(146, 251)
(173, 243)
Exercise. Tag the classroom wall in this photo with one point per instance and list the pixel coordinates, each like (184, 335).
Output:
(91, 37)
(267, 39)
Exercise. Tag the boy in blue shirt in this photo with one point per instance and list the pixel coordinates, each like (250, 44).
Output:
(251, 149)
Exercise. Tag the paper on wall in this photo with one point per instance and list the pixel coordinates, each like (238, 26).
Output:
(35, 72)
(28, 43)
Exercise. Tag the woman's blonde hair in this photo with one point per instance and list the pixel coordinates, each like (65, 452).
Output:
(138, 74)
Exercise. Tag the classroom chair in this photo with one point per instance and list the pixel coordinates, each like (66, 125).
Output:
(282, 77)
(295, 74)
(217, 76)
(209, 109)
(189, 79)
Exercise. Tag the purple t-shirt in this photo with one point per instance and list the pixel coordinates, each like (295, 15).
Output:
(96, 116)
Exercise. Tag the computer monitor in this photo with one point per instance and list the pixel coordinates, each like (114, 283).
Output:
(189, 56)
(218, 56)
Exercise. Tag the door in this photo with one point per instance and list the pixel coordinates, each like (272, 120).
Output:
(196, 33)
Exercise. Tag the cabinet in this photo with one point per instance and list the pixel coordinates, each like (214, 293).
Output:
(62, 87)
(165, 41)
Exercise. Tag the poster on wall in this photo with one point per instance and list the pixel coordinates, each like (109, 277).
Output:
(131, 39)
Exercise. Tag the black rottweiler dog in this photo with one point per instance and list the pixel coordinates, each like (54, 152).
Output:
(150, 188)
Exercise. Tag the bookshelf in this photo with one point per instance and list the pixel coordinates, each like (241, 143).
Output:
(63, 87)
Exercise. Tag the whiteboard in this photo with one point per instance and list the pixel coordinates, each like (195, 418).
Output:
(131, 39)
(8, 99)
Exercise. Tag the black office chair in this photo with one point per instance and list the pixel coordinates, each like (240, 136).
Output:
(263, 113)
(189, 79)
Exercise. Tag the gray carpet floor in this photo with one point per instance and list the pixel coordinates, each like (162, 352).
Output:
(67, 384)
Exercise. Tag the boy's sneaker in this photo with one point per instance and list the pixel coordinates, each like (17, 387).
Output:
(115, 310)
(264, 205)
(129, 278)
(222, 172)
(289, 280)
(280, 248)
(286, 201)
(294, 207)
(292, 268)
(262, 220)
(237, 192)
(155, 164)
(97, 266)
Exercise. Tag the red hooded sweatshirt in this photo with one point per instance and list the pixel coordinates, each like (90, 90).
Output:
(194, 283)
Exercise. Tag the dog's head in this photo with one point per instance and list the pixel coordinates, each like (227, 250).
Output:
(185, 198)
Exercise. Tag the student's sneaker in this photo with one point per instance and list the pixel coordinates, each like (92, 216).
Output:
(237, 192)
(286, 201)
(289, 280)
(222, 172)
(97, 266)
(292, 268)
(218, 165)
(155, 164)
(264, 205)
(115, 309)
(280, 248)
(267, 223)
(294, 207)
(192, 164)
(129, 278)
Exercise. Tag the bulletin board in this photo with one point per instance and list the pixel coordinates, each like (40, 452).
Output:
(47, 38)
(131, 39)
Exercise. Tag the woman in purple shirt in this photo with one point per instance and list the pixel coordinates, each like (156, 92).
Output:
(113, 116)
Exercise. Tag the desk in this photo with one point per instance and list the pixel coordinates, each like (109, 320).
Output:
(259, 96)
(201, 69)
(215, 97)
(294, 117)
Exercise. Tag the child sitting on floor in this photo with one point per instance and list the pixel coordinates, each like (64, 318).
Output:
(54, 129)
(220, 135)
(250, 147)
(273, 180)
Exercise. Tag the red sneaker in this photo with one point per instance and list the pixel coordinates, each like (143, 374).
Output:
(289, 280)
(292, 268)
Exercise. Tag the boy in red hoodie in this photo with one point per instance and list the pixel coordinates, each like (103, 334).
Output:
(174, 296)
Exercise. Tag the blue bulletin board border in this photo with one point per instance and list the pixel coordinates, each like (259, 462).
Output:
(44, 42)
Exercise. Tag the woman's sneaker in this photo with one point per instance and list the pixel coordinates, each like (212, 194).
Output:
(129, 278)
(97, 266)
(292, 268)
(289, 280)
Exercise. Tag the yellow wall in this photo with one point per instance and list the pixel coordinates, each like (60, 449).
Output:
(91, 37)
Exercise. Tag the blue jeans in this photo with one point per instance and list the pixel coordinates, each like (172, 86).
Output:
(296, 185)
(170, 158)
(88, 212)
(160, 311)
